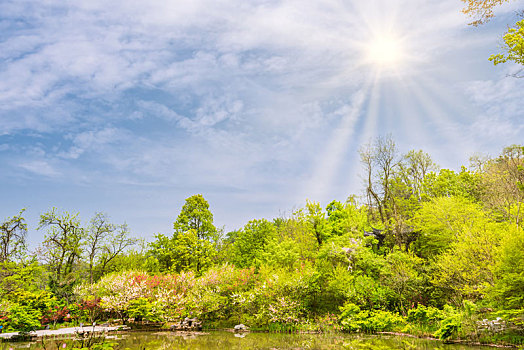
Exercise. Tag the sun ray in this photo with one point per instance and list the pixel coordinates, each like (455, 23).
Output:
(409, 106)
(331, 159)
(437, 112)
(372, 110)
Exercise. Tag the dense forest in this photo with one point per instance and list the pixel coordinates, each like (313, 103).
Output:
(422, 250)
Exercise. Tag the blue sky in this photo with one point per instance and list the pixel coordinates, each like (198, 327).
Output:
(129, 107)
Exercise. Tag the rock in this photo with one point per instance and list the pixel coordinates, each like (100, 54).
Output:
(241, 328)
(188, 324)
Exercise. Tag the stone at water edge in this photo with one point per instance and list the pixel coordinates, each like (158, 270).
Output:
(188, 324)
(241, 327)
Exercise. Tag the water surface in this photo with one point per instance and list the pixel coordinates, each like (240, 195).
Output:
(220, 340)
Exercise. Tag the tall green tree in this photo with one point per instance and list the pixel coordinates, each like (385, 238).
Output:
(193, 245)
(196, 216)
(18, 270)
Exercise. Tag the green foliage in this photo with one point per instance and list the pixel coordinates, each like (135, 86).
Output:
(251, 242)
(424, 320)
(370, 295)
(449, 327)
(192, 253)
(508, 290)
(196, 216)
(27, 274)
(353, 319)
(142, 310)
(441, 222)
(23, 318)
(284, 254)
(345, 218)
(468, 265)
(193, 245)
(513, 46)
(426, 315)
(448, 183)
(401, 274)
(316, 219)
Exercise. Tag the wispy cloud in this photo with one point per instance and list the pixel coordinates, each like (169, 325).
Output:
(40, 167)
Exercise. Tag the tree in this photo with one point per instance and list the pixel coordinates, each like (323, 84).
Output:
(440, 222)
(297, 232)
(13, 232)
(61, 249)
(104, 242)
(195, 215)
(467, 267)
(98, 230)
(503, 184)
(448, 183)
(394, 187)
(162, 250)
(116, 244)
(482, 10)
(193, 244)
(508, 290)
(379, 160)
(513, 46)
(317, 221)
(251, 242)
(414, 167)
(345, 218)
(401, 275)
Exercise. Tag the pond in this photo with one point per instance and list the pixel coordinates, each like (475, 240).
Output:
(231, 341)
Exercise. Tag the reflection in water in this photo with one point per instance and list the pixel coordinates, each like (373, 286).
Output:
(225, 340)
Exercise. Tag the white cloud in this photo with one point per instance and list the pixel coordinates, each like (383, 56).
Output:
(40, 167)
(93, 141)
(501, 104)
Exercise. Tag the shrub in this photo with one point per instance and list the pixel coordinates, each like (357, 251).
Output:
(449, 327)
(353, 319)
(142, 310)
(23, 318)
(424, 314)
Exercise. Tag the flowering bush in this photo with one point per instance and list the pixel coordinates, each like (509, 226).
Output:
(226, 293)
(284, 310)
(56, 314)
(117, 291)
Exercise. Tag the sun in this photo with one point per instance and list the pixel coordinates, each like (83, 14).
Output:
(385, 51)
